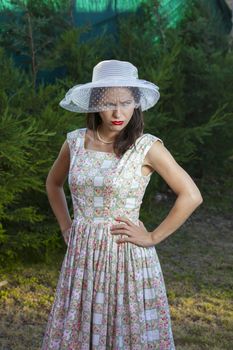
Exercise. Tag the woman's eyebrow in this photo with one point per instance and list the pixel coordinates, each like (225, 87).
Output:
(129, 99)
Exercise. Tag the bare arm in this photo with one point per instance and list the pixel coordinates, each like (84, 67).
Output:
(54, 187)
(188, 194)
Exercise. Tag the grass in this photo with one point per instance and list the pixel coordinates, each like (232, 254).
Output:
(25, 302)
(197, 265)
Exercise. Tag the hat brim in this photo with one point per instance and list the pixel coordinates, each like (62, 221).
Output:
(74, 102)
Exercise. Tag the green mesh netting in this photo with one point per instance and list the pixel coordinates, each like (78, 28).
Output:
(172, 9)
(97, 12)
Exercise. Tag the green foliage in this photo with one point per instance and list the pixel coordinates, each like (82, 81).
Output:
(41, 34)
(31, 134)
(192, 64)
(77, 55)
(31, 30)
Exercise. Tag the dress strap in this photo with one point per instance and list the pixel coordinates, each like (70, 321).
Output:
(74, 139)
(144, 143)
(147, 142)
(82, 134)
(135, 156)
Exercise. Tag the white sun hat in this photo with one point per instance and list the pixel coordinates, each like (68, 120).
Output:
(103, 92)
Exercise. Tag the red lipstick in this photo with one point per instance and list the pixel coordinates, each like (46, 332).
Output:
(117, 122)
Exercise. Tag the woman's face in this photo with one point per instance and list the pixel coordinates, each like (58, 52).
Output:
(121, 107)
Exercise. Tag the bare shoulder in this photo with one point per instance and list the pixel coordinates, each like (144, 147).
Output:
(63, 159)
(64, 153)
(156, 152)
(60, 167)
(161, 159)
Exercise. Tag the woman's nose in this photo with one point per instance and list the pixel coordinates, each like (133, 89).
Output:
(117, 110)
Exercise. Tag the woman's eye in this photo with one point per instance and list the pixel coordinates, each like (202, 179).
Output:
(113, 105)
(127, 103)
(109, 105)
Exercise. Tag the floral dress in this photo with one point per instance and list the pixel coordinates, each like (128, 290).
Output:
(109, 296)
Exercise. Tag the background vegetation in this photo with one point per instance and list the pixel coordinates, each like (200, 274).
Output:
(192, 64)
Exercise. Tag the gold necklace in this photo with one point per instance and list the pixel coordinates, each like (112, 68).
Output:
(100, 139)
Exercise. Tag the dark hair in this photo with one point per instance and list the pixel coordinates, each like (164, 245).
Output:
(127, 136)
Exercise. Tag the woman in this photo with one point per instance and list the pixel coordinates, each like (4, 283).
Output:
(111, 292)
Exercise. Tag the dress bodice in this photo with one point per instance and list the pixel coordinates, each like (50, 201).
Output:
(103, 185)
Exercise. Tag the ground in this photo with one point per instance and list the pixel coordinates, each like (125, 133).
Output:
(197, 265)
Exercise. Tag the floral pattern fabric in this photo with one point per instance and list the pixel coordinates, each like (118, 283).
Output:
(108, 296)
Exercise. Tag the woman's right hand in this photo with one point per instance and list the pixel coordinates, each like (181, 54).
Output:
(66, 234)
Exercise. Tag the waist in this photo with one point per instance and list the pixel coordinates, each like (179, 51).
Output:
(102, 222)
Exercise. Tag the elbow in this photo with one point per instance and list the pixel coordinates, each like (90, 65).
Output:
(194, 198)
(197, 199)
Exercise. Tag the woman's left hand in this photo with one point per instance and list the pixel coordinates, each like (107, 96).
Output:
(136, 234)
